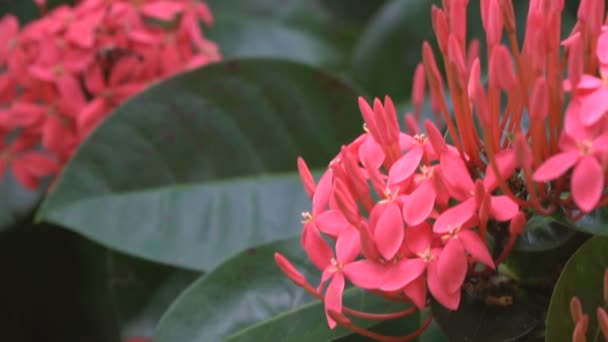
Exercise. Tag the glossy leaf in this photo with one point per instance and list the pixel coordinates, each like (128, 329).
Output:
(191, 171)
(248, 37)
(390, 47)
(249, 299)
(543, 233)
(476, 321)
(303, 31)
(593, 223)
(582, 277)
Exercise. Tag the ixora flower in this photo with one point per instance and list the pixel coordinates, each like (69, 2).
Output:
(403, 213)
(62, 74)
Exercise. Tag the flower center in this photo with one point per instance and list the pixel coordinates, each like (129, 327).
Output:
(585, 147)
(306, 217)
(420, 138)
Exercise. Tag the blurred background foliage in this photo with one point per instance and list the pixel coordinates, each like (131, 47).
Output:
(58, 286)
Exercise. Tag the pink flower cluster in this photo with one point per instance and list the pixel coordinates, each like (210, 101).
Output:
(62, 74)
(401, 214)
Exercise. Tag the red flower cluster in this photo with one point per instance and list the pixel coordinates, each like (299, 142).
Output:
(65, 72)
(407, 213)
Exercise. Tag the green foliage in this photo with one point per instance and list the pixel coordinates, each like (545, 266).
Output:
(193, 168)
(477, 321)
(226, 304)
(582, 277)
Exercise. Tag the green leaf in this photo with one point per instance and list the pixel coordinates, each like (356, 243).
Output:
(26, 10)
(593, 223)
(357, 12)
(476, 321)
(433, 334)
(303, 31)
(249, 299)
(582, 277)
(191, 171)
(248, 37)
(543, 233)
(142, 291)
(390, 47)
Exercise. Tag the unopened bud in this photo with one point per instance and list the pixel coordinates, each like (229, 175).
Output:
(580, 330)
(307, 180)
(290, 271)
(517, 224)
(576, 309)
(606, 286)
(602, 319)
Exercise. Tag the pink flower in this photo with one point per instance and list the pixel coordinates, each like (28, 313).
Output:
(583, 148)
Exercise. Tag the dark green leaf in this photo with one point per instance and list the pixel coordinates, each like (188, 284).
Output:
(581, 277)
(249, 299)
(357, 12)
(142, 291)
(247, 37)
(26, 10)
(390, 47)
(593, 223)
(304, 31)
(476, 321)
(189, 171)
(543, 233)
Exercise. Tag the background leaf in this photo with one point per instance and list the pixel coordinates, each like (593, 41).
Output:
(389, 48)
(303, 31)
(142, 291)
(189, 172)
(249, 299)
(593, 223)
(476, 321)
(543, 233)
(582, 277)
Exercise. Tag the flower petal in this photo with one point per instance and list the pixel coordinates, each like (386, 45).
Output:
(455, 216)
(318, 250)
(587, 183)
(473, 244)
(320, 198)
(365, 274)
(556, 166)
(348, 245)
(416, 291)
(370, 153)
(460, 179)
(389, 231)
(449, 300)
(406, 165)
(419, 238)
(418, 205)
(503, 208)
(402, 273)
(452, 265)
(333, 297)
(594, 106)
(331, 222)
